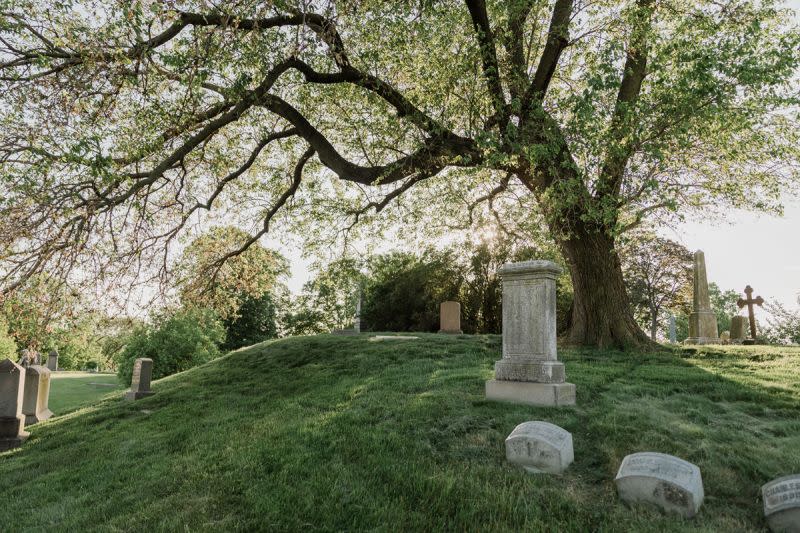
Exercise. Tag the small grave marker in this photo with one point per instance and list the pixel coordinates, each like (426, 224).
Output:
(36, 395)
(782, 503)
(663, 480)
(140, 381)
(540, 447)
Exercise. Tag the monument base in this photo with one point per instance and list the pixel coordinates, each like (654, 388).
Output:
(345, 332)
(529, 393)
(11, 434)
(702, 340)
(38, 417)
(131, 395)
(451, 332)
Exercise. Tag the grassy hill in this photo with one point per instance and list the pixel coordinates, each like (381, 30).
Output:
(338, 433)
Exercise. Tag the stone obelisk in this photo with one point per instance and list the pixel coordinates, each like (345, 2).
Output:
(530, 372)
(702, 320)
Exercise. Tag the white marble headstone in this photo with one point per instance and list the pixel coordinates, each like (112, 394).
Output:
(782, 503)
(540, 447)
(666, 481)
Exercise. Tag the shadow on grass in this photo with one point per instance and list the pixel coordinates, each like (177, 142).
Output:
(338, 433)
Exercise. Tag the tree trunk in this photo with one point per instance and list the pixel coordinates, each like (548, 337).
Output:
(601, 314)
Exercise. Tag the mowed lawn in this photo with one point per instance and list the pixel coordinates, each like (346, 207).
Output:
(71, 390)
(342, 434)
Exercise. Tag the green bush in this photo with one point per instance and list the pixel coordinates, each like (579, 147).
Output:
(254, 323)
(8, 348)
(175, 342)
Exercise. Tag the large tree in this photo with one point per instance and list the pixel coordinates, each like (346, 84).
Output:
(123, 121)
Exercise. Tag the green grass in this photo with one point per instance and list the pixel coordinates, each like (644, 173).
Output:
(340, 434)
(70, 390)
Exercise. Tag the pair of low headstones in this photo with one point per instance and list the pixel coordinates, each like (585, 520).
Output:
(24, 397)
(666, 481)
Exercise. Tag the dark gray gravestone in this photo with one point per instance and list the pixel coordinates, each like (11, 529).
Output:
(140, 381)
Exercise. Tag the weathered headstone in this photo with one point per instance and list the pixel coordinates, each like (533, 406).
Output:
(540, 447)
(666, 481)
(12, 421)
(140, 381)
(702, 320)
(737, 329)
(725, 337)
(52, 360)
(749, 302)
(450, 317)
(529, 371)
(36, 397)
(673, 336)
(25, 358)
(782, 503)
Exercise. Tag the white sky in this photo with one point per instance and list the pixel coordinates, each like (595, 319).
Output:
(762, 251)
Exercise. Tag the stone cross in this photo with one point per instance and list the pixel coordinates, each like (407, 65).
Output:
(140, 381)
(12, 421)
(702, 320)
(529, 371)
(758, 300)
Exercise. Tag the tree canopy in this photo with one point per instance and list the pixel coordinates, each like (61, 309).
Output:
(123, 123)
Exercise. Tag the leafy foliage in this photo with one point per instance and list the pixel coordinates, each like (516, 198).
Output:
(658, 276)
(125, 124)
(783, 325)
(175, 342)
(211, 282)
(8, 348)
(255, 322)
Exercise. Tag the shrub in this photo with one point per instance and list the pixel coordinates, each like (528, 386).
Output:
(8, 348)
(175, 342)
(254, 323)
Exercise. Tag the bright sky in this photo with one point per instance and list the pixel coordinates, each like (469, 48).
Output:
(762, 251)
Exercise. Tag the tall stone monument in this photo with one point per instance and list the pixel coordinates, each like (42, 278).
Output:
(702, 320)
(36, 395)
(450, 317)
(529, 371)
(12, 421)
(140, 381)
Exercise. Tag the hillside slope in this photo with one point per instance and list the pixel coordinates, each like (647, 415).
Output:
(338, 433)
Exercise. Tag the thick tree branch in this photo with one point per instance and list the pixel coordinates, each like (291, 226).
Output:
(620, 150)
(491, 68)
(557, 39)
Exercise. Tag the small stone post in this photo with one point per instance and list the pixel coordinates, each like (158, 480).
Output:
(12, 421)
(52, 360)
(529, 371)
(702, 320)
(140, 381)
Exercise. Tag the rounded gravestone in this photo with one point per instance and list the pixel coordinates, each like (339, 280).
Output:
(670, 483)
(782, 504)
(540, 447)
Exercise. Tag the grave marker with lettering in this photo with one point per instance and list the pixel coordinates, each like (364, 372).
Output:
(540, 447)
(782, 503)
(663, 480)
